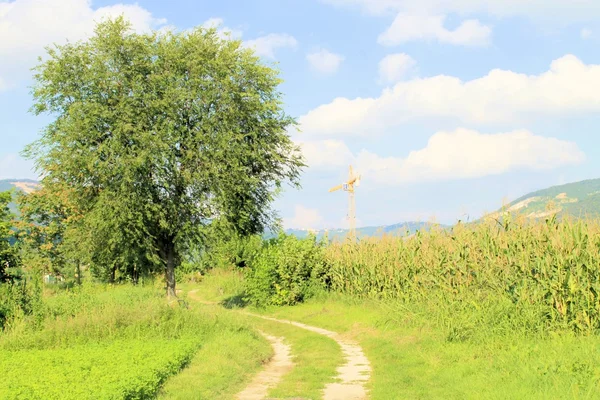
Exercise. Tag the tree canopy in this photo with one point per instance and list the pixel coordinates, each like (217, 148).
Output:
(157, 134)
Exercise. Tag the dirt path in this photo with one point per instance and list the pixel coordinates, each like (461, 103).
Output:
(273, 371)
(352, 376)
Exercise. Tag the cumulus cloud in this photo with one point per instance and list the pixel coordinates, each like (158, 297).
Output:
(304, 218)
(406, 28)
(266, 45)
(557, 11)
(324, 61)
(501, 96)
(325, 153)
(26, 26)
(459, 154)
(395, 67)
(223, 31)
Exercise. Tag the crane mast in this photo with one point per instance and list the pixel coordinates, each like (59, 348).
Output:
(349, 186)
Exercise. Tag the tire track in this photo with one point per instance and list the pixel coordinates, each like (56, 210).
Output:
(352, 376)
(272, 373)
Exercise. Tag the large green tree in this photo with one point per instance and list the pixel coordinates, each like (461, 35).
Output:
(156, 135)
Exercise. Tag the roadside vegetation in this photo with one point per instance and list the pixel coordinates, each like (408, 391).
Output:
(493, 310)
(121, 342)
(160, 169)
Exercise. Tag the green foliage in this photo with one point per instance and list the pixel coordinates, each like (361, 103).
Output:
(130, 369)
(223, 365)
(107, 342)
(8, 254)
(43, 224)
(157, 134)
(286, 270)
(536, 275)
(19, 299)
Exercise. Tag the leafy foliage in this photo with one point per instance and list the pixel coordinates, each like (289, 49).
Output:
(286, 270)
(107, 342)
(546, 270)
(46, 231)
(158, 134)
(18, 299)
(131, 369)
(8, 254)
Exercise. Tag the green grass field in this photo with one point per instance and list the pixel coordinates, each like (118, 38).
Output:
(509, 313)
(415, 355)
(126, 342)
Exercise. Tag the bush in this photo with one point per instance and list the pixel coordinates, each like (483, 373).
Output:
(286, 270)
(222, 253)
(18, 299)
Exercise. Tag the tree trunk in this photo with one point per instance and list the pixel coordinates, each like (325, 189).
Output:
(111, 277)
(78, 272)
(171, 259)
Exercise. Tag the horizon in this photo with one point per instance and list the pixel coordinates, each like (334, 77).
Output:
(445, 109)
(430, 220)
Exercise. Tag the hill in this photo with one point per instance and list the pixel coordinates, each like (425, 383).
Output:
(21, 185)
(400, 229)
(578, 199)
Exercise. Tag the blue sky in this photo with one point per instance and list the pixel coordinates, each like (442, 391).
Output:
(446, 108)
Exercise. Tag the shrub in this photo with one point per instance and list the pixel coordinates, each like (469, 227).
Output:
(19, 298)
(286, 270)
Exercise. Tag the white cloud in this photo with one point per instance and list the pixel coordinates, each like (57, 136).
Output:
(304, 218)
(555, 11)
(324, 61)
(325, 153)
(501, 96)
(223, 31)
(408, 27)
(266, 45)
(394, 67)
(14, 167)
(459, 154)
(586, 33)
(26, 26)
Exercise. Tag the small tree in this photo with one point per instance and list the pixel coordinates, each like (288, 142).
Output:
(156, 135)
(48, 234)
(8, 255)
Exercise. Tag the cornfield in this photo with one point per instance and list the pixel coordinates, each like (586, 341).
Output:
(551, 266)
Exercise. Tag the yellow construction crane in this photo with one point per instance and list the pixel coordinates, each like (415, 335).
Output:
(353, 181)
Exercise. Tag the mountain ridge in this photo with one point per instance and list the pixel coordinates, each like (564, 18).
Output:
(576, 199)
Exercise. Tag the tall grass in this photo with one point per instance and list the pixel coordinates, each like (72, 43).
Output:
(105, 341)
(539, 275)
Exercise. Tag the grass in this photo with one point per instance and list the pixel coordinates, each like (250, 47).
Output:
(315, 357)
(123, 369)
(125, 342)
(220, 369)
(413, 358)
(420, 351)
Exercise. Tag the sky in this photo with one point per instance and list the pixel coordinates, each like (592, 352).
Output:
(446, 108)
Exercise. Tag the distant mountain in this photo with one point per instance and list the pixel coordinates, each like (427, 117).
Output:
(25, 185)
(20, 185)
(578, 199)
(400, 229)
